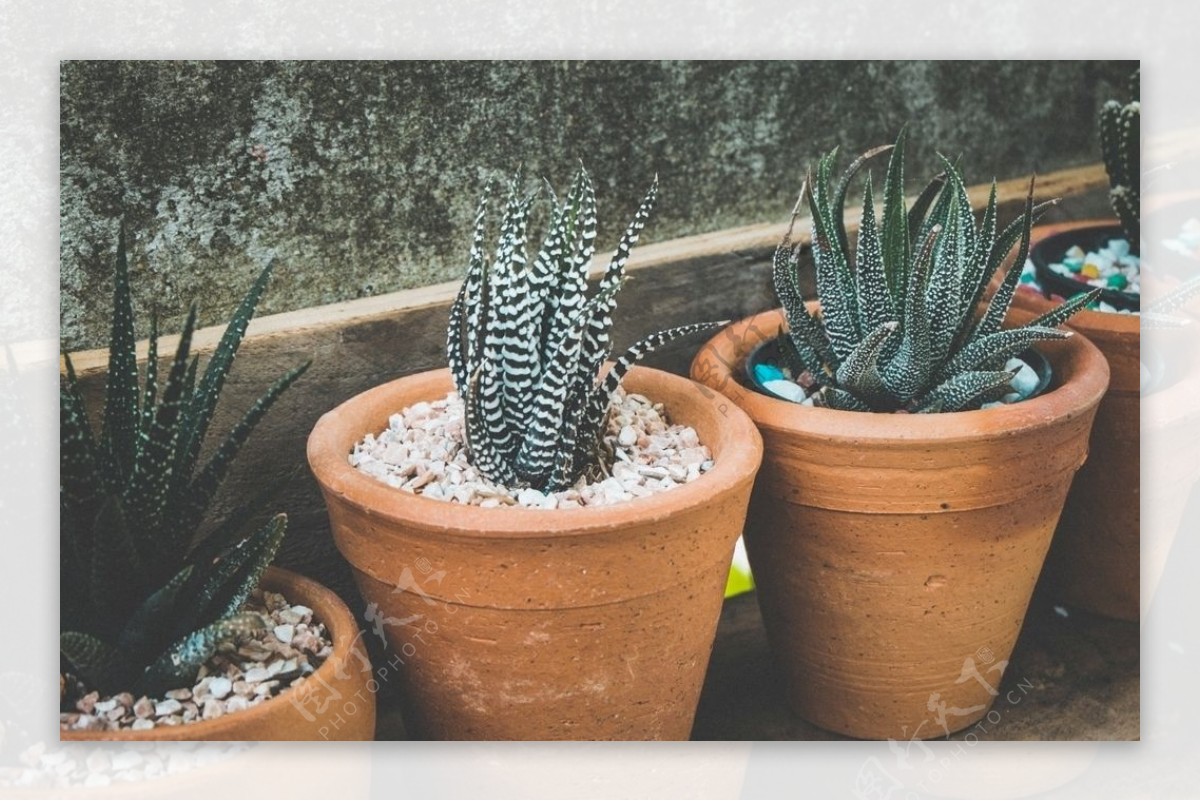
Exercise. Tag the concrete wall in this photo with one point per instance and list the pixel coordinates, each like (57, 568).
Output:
(361, 177)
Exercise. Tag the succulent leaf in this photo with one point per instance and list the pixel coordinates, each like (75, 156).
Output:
(180, 662)
(901, 332)
(537, 422)
(965, 389)
(132, 507)
(121, 393)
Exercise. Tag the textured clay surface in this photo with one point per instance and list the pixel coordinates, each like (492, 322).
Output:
(318, 709)
(537, 624)
(895, 555)
(1094, 562)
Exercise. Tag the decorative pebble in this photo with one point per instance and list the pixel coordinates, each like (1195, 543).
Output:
(788, 390)
(144, 708)
(1025, 380)
(1112, 266)
(422, 452)
(220, 687)
(628, 437)
(766, 373)
(229, 682)
(167, 707)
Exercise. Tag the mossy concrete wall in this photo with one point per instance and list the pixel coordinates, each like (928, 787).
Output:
(361, 178)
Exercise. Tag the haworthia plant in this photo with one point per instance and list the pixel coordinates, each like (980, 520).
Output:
(526, 342)
(1120, 143)
(897, 328)
(144, 603)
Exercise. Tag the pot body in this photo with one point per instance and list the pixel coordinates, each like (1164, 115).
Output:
(895, 555)
(1094, 563)
(334, 703)
(511, 623)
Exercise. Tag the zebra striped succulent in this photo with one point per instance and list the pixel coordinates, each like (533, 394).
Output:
(897, 329)
(143, 603)
(1120, 143)
(526, 343)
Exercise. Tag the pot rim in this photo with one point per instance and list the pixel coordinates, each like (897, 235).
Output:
(1082, 370)
(737, 455)
(328, 609)
(1088, 320)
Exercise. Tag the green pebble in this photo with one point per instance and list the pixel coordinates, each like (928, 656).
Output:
(1117, 281)
(1074, 265)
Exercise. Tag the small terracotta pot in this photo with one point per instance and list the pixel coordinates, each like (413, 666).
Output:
(1094, 561)
(513, 623)
(895, 554)
(334, 703)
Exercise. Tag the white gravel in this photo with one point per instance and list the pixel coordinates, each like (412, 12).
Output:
(238, 676)
(421, 451)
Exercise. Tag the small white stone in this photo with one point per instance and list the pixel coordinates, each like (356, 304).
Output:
(256, 674)
(530, 497)
(628, 437)
(167, 707)
(788, 390)
(1025, 381)
(220, 687)
(285, 632)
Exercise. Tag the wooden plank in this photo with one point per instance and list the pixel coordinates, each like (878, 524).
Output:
(752, 241)
(359, 344)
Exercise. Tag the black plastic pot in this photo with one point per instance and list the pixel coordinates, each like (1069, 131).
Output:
(771, 352)
(1052, 249)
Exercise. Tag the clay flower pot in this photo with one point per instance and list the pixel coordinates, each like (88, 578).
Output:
(895, 554)
(1094, 561)
(513, 623)
(334, 703)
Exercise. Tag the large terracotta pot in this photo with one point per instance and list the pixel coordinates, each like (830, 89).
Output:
(1094, 561)
(334, 703)
(513, 623)
(895, 554)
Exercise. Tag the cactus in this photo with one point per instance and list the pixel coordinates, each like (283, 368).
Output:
(143, 603)
(1120, 143)
(898, 328)
(526, 343)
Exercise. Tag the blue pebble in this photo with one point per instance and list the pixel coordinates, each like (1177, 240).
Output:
(767, 372)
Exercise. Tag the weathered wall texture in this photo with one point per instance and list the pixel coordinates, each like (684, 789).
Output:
(361, 177)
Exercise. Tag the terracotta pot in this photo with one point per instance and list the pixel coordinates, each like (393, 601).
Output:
(334, 703)
(1094, 561)
(895, 554)
(512, 623)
